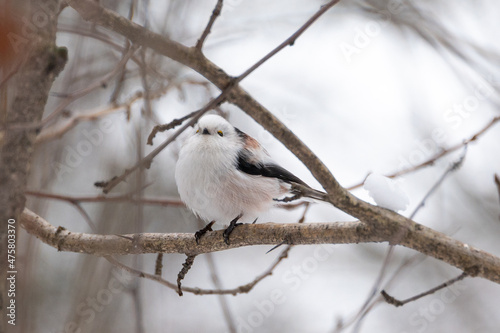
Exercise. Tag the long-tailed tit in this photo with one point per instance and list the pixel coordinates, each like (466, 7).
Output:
(224, 175)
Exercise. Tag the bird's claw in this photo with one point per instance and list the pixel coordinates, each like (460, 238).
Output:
(231, 227)
(229, 230)
(201, 232)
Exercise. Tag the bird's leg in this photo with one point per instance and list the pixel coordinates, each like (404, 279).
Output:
(204, 230)
(231, 227)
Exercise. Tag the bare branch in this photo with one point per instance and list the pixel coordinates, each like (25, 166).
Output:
(497, 182)
(453, 167)
(186, 266)
(246, 288)
(290, 40)
(170, 125)
(75, 95)
(215, 13)
(439, 155)
(58, 129)
(391, 300)
(425, 240)
(102, 198)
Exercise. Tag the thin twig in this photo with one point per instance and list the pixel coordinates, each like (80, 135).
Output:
(243, 289)
(368, 304)
(165, 127)
(76, 95)
(101, 198)
(290, 40)
(56, 130)
(215, 13)
(100, 36)
(147, 97)
(121, 78)
(391, 300)
(453, 167)
(439, 155)
(186, 266)
(85, 216)
(497, 182)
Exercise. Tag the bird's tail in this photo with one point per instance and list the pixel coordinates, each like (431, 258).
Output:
(299, 191)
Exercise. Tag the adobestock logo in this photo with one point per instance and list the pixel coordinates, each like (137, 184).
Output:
(292, 279)
(460, 111)
(73, 156)
(425, 315)
(29, 25)
(87, 309)
(455, 117)
(364, 35)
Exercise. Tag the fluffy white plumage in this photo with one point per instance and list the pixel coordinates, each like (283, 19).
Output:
(223, 173)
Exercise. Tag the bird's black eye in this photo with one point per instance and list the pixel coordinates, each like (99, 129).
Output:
(205, 131)
(220, 133)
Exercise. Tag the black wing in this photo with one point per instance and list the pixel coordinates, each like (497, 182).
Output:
(266, 169)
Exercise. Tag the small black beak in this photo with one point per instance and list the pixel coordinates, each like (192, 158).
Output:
(205, 131)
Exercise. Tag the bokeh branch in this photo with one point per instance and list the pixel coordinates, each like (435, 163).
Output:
(445, 151)
(391, 300)
(242, 289)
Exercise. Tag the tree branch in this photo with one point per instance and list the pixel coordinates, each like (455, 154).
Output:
(391, 300)
(472, 261)
(431, 160)
(130, 198)
(208, 28)
(245, 288)
(497, 183)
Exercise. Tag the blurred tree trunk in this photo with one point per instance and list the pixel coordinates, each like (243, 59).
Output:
(36, 61)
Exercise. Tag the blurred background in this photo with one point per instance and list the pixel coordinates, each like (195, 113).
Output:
(372, 86)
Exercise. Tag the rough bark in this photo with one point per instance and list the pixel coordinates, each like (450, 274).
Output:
(26, 93)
